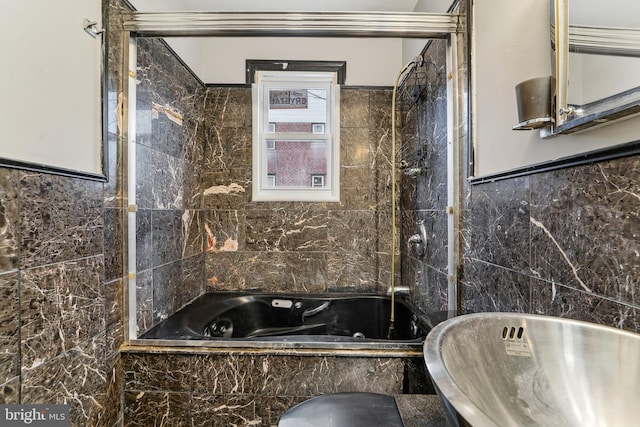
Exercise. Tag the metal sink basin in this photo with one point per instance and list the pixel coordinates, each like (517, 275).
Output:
(511, 369)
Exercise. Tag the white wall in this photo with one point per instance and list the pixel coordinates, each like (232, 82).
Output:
(412, 47)
(616, 73)
(370, 62)
(511, 44)
(50, 84)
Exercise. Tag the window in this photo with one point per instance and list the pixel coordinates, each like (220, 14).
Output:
(295, 136)
(271, 180)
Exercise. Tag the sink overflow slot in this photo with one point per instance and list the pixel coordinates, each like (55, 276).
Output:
(512, 333)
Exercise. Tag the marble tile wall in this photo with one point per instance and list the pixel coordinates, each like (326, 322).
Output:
(563, 243)
(237, 389)
(59, 310)
(61, 283)
(197, 227)
(298, 247)
(423, 179)
(170, 144)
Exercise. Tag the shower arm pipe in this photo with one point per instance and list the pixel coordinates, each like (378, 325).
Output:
(393, 188)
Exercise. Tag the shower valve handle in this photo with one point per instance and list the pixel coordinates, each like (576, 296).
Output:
(418, 241)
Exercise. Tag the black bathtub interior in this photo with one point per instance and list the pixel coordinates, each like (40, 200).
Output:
(276, 317)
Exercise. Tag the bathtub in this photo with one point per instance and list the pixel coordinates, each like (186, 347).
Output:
(292, 321)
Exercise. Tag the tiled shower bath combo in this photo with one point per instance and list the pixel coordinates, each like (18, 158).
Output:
(562, 243)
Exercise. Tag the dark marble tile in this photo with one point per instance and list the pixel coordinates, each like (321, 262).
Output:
(500, 224)
(353, 248)
(408, 192)
(114, 315)
(9, 217)
(236, 410)
(114, 188)
(426, 275)
(269, 409)
(144, 177)
(229, 106)
(114, 225)
(60, 219)
(144, 119)
(416, 377)
(194, 230)
(10, 392)
(157, 408)
(156, 372)
(315, 376)
(266, 271)
(352, 272)
(144, 240)
(380, 108)
(226, 189)
(192, 277)
(488, 287)
(167, 290)
(557, 300)
(61, 306)
(192, 185)
(419, 410)
(295, 375)
(167, 235)
(76, 377)
(584, 227)
(224, 230)
(357, 149)
(9, 304)
(144, 301)
(171, 103)
(227, 147)
(9, 327)
(359, 189)
(9, 358)
(354, 108)
(437, 245)
(168, 175)
(431, 178)
(432, 289)
(167, 129)
(110, 414)
(285, 230)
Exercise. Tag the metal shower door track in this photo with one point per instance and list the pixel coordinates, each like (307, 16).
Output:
(292, 24)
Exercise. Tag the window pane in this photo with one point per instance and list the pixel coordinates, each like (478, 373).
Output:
(297, 163)
(296, 110)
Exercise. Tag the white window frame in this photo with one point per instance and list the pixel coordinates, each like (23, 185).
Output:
(266, 80)
(317, 128)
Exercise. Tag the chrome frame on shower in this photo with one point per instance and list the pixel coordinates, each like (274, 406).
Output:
(278, 24)
(295, 24)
